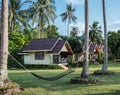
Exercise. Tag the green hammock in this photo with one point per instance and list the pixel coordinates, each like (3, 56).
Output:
(53, 78)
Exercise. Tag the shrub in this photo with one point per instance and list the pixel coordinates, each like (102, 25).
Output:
(42, 66)
(101, 59)
(76, 64)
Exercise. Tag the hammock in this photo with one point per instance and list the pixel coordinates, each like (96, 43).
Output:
(59, 76)
(41, 77)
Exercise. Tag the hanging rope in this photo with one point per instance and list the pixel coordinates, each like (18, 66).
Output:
(19, 63)
(59, 76)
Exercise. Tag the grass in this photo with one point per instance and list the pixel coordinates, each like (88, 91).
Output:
(109, 85)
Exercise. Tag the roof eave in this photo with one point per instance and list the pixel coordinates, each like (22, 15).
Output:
(22, 53)
(35, 50)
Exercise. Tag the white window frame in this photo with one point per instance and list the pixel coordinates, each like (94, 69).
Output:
(39, 55)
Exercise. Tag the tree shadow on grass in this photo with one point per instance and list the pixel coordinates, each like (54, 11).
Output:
(26, 80)
(117, 92)
(112, 79)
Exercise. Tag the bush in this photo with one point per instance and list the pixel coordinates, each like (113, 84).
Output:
(42, 66)
(101, 59)
(116, 60)
(80, 63)
(76, 64)
(13, 64)
(100, 72)
(118, 53)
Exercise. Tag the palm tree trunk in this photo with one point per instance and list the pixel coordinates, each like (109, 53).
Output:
(68, 27)
(85, 70)
(4, 45)
(104, 68)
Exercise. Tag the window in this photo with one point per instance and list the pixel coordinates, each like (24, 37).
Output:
(39, 55)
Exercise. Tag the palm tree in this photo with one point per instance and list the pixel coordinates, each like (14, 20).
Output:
(95, 33)
(85, 70)
(43, 12)
(17, 14)
(74, 32)
(69, 15)
(4, 46)
(104, 68)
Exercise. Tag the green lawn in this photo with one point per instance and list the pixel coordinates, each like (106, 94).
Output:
(109, 85)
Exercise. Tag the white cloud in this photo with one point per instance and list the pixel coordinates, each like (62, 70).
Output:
(75, 1)
(115, 26)
(81, 27)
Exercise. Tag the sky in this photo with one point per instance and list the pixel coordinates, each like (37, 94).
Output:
(95, 14)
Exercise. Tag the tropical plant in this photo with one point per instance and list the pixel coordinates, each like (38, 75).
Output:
(104, 68)
(69, 15)
(75, 43)
(17, 14)
(4, 46)
(52, 31)
(30, 33)
(113, 42)
(16, 43)
(85, 69)
(74, 32)
(95, 33)
(118, 52)
(43, 13)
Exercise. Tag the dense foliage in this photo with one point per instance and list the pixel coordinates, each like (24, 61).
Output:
(95, 33)
(18, 15)
(22, 30)
(75, 44)
(52, 31)
(74, 32)
(43, 14)
(114, 44)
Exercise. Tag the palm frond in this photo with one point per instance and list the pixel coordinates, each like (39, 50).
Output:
(26, 2)
(69, 14)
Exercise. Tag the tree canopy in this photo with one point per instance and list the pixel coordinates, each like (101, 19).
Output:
(95, 33)
(114, 43)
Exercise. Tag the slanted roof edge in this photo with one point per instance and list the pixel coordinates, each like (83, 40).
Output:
(69, 47)
(55, 44)
(62, 47)
(34, 50)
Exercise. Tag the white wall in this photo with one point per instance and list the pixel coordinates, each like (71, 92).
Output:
(30, 59)
(64, 49)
